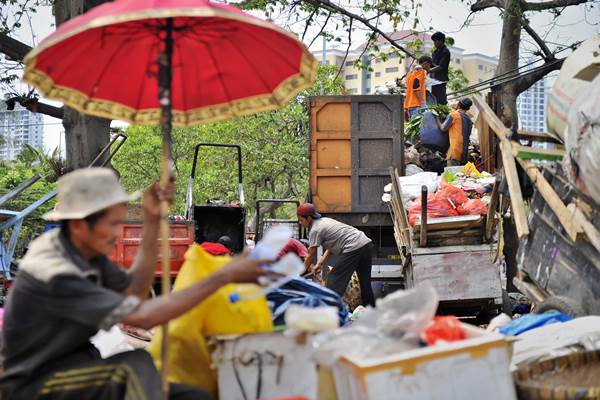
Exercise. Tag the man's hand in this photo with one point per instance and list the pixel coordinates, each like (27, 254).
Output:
(154, 195)
(244, 270)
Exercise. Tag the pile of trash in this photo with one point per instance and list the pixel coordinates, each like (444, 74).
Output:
(457, 191)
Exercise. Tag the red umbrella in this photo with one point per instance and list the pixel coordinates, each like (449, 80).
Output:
(211, 61)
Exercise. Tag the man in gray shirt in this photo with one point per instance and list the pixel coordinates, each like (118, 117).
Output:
(351, 245)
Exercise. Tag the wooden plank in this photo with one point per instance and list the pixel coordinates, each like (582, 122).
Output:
(462, 221)
(530, 153)
(538, 137)
(573, 229)
(590, 230)
(459, 276)
(453, 249)
(509, 164)
(423, 233)
(490, 221)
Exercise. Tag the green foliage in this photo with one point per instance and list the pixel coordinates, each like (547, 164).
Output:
(12, 174)
(274, 153)
(412, 127)
(457, 80)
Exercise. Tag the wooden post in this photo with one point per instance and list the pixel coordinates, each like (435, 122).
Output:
(423, 233)
(491, 214)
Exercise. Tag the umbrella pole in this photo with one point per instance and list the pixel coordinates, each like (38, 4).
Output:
(164, 83)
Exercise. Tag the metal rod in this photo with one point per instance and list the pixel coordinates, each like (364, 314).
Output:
(165, 63)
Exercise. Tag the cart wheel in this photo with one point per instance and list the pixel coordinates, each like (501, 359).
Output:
(561, 304)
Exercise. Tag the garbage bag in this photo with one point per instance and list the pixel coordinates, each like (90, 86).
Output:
(189, 356)
(456, 195)
(302, 292)
(444, 329)
(472, 207)
(435, 209)
(532, 321)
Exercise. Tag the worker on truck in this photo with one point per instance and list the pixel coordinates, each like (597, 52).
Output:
(416, 94)
(353, 247)
(440, 68)
(458, 125)
(67, 289)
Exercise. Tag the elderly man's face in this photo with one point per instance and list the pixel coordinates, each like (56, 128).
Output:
(99, 239)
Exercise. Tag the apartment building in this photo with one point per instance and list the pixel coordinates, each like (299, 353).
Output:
(531, 107)
(17, 128)
(476, 67)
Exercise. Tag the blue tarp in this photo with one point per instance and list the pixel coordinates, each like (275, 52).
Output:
(531, 321)
(302, 292)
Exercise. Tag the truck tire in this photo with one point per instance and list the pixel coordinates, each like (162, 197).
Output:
(562, 304)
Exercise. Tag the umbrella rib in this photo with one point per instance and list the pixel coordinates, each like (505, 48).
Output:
(210, 53)
(106, 66)
(258, 73)
(266, 44)
(149, 64)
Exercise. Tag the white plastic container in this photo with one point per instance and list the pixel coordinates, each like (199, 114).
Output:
(475, 368)
(267, 366)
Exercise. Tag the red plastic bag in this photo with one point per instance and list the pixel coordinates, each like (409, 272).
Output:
(447, 329)
(435, 209)
(472, 207)
(455, 195)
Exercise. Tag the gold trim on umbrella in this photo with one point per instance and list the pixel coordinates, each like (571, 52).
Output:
(283, 93)
(150, 13)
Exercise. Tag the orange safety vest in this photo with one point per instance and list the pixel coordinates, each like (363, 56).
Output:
(457, 134)
(411, 100)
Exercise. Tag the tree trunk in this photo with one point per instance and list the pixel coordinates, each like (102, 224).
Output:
(85, 136)
(509, 61)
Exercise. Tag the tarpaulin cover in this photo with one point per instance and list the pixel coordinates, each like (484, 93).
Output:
(189, 356)
(531, 321)
(302, 292)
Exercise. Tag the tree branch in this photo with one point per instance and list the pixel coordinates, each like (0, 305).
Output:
(483, 4)
(528, 79)
(548, 5)
(14, 49)
(347, 51)
(322, 29)
(33, 105)
(548, 55)
(334, 7)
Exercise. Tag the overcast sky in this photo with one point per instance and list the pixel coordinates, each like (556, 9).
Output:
(482, 35)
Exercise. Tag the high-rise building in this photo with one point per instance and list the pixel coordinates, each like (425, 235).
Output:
(17, 128)
(531, 107)
(476, 67)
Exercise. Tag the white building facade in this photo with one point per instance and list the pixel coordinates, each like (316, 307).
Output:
(17, 128)
(531, 107)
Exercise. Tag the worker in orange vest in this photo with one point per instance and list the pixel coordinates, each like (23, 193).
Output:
(415, 98)
(458, 125)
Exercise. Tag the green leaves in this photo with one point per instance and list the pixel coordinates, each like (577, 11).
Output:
(274, 153)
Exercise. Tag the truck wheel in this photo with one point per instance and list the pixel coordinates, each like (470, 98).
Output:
(561, 304)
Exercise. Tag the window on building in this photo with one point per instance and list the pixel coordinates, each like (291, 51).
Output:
(353, 91)
(377, 74)
(368, 90)
(480, 67)
(391, 69)
(351, 77)
(326, 62)
(368, 76)
(377, 60)
(392, 55)
(349, 63)
(458, 60)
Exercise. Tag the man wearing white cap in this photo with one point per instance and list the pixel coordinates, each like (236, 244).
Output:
(67, 289)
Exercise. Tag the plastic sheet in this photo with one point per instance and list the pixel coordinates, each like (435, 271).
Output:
(393, 326)
(472, 207)
(531, 321)
(411, 185)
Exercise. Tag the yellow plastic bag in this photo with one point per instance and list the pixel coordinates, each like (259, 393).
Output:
(189, 355)
(471, 170)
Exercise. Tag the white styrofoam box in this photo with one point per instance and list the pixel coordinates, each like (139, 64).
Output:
(268, 365)
(474, 368)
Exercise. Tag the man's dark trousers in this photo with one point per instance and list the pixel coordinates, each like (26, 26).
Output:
(360, 261)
